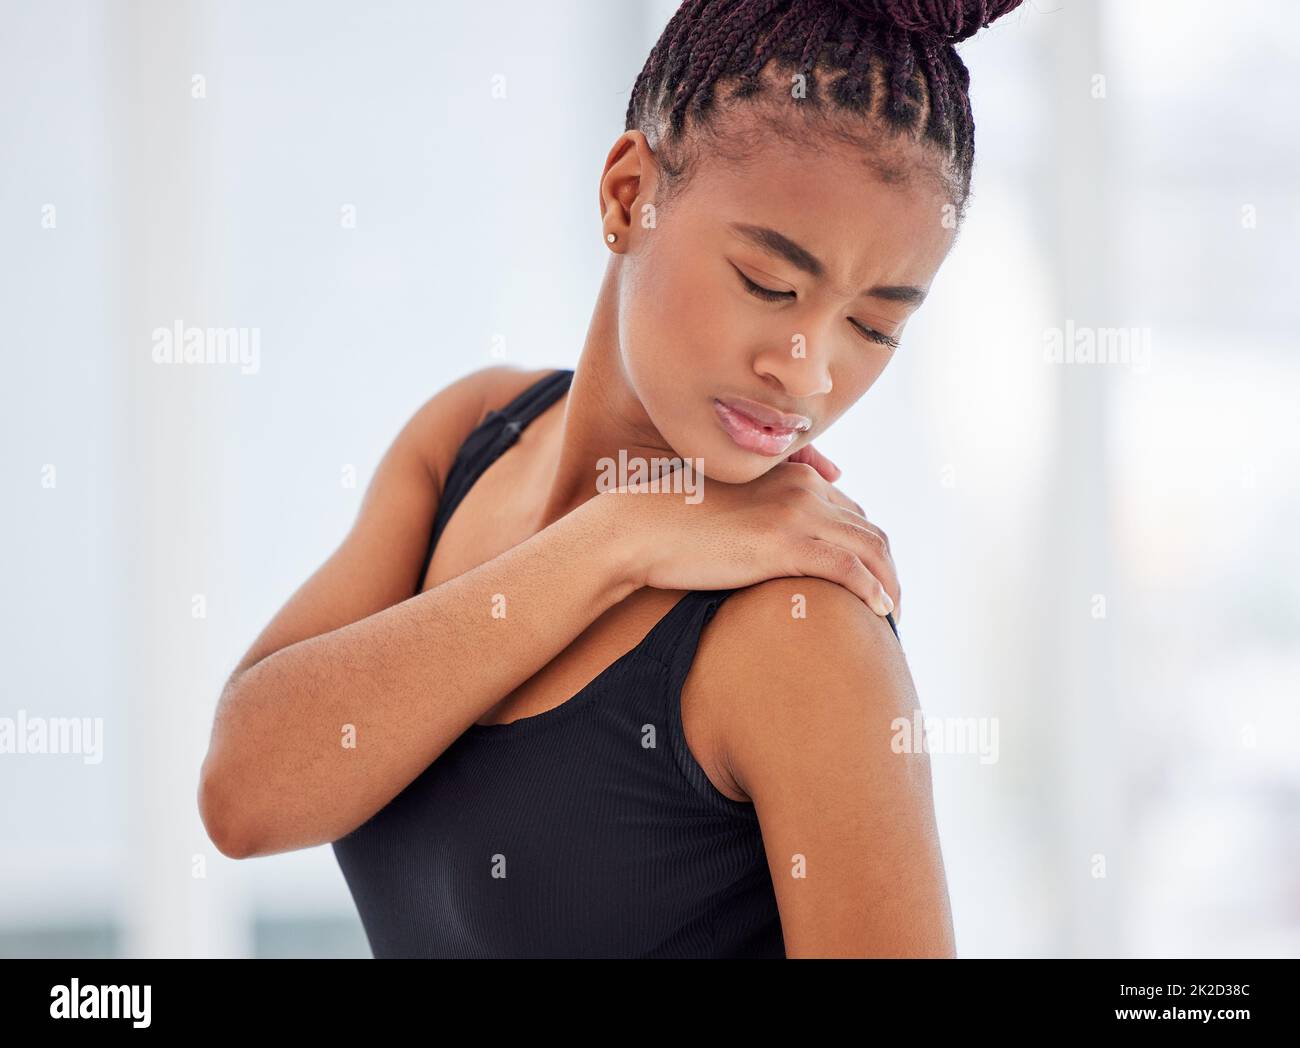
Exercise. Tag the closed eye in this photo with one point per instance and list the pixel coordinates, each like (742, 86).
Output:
(765, 293)
(875, 336)
(768, 295)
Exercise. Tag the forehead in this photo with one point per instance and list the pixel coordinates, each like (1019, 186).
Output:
(869, 214)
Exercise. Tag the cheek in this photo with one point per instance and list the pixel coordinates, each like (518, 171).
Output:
(672, 311)
(676, 324)
(874, 361)
(856, 374)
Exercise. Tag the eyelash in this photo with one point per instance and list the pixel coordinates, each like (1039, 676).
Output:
(768, 295)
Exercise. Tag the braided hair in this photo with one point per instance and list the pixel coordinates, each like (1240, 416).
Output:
(888, 61)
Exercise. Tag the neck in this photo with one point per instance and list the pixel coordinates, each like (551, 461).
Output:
(602, 414)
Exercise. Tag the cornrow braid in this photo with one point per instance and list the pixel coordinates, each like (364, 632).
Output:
(888, 59)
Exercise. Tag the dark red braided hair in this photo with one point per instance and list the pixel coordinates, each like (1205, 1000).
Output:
(890, 60)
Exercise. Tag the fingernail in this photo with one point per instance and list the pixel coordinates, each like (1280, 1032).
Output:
(889, 604)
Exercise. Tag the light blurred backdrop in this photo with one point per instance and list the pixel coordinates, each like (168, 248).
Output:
(1099, 559)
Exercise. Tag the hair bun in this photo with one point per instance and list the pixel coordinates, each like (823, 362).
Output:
(945, 20)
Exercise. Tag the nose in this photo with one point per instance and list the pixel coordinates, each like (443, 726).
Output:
(801, 367)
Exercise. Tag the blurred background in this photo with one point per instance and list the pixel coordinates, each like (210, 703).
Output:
(1098, 559)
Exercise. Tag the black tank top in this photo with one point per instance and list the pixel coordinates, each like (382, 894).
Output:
(588, 830)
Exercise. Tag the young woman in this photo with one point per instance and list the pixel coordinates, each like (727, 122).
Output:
(498, 699)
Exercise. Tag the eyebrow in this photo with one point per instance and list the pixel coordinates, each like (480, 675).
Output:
(801, 258)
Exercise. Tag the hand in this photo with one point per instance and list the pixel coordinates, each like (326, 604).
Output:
(791, 521)
(832, 472)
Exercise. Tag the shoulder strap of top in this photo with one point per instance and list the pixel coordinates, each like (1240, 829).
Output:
(499, 429)
(530, 403)
(675, 637)
(672, 643)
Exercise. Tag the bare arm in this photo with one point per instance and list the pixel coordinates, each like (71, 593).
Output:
(848, 823)
(356, 686)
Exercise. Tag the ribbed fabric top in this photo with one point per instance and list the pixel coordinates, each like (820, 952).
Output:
(588, 830)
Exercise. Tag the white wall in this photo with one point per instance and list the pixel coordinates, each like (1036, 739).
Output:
(1158, 742)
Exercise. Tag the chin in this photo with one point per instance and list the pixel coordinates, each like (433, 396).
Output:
(738, 467)
(722, 460)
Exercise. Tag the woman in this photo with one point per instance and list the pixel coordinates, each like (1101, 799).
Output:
(498, 699)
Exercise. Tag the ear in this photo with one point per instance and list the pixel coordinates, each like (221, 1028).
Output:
(628, 179)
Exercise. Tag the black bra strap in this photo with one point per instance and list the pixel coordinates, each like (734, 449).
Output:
(499, 429)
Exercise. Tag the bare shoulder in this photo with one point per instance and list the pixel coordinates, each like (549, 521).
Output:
(809, 686)
(786, 664)
(504, 382)
(440, 425)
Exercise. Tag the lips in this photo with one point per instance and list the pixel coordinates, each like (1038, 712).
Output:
(758, 428)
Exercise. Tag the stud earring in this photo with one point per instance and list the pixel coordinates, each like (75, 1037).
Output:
(611, 237)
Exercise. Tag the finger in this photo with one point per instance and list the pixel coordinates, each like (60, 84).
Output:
(833, 494)
(866, 539)
(841, 565)
(818, 461)
(850, 511)
(869, 544)
(886, 570)
(878, 535)
(816, 482)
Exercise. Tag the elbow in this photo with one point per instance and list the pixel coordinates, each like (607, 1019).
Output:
(220, 815)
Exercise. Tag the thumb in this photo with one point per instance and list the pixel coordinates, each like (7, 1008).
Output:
(817, 460)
